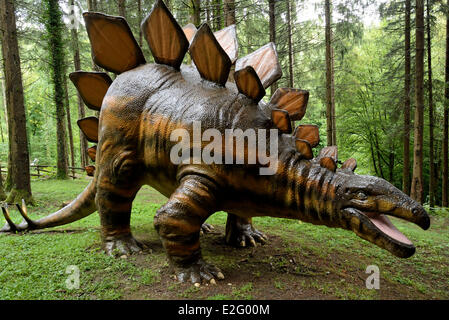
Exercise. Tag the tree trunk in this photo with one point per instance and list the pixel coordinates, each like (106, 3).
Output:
(407, 101)
(417, 181)
(122, 8)
(69, 127)
(81, 111)
(54, 28)
(391, 164)
(92, 6)
(445, 200)
(20, 171)
(139, 16)
(2, 191)
(4, 106)
(208, 12)
(229, 9)
(290, 46)
(195, 12)
(217, 15)
(330, 104)
(432, 181)
(272, 14)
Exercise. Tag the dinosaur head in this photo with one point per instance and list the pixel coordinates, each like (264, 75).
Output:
(364, 204)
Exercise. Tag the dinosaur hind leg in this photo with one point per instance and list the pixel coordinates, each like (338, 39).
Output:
(241, 232)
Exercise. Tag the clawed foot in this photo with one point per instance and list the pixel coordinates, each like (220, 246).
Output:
(206, 228)
(198, 272)
(245, 235)
(123, 245)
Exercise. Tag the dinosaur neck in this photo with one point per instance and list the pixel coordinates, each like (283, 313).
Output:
(306, 191)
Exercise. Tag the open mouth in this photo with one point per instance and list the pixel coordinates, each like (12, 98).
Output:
(378, 229)
(385, 226)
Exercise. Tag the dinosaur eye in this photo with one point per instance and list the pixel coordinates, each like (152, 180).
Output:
(362, 196)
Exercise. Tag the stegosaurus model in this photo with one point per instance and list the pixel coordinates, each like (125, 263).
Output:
(146, 103)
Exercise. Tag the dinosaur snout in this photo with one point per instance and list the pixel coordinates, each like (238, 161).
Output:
(421, 217)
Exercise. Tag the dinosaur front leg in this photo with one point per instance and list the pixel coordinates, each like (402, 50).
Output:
(179, 223)
(119, 180)
(114, 205)
(241, 232)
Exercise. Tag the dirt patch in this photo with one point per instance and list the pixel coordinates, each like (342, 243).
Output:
(268, 272)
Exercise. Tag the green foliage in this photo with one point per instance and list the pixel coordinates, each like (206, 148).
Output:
(369, 72)
(327, 263)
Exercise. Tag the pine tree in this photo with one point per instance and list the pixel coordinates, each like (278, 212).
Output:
(446, 122)
(54, 27)
(272, 14)
(330, 95)
(81, 110)
(417, 180)
(19, 162)
(407, 101)
(432, 181)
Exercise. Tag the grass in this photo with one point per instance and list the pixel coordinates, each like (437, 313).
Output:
(301, 261)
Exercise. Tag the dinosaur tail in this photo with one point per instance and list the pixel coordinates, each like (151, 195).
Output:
(81, 207)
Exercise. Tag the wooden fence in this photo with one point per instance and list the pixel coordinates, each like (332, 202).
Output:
(37, 170)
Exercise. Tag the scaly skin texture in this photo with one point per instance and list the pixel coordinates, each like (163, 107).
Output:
(141, 110)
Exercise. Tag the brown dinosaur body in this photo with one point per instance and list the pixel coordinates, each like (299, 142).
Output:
(146, 104)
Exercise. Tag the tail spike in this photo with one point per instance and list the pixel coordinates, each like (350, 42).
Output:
(92, 87)
(23, 212)
(114, 47)
(165, 37)
(210, 59)
(12, 226)
(89, 126)
(266, 63)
